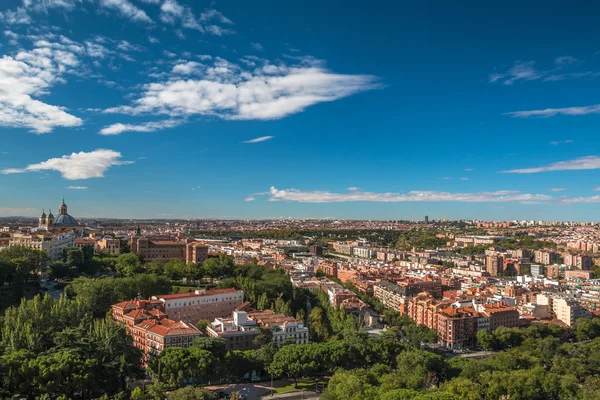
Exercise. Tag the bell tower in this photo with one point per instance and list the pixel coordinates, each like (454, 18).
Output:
(62, 209)
(49, 220)
(42, 219)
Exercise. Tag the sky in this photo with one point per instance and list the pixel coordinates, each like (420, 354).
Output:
(300, 109)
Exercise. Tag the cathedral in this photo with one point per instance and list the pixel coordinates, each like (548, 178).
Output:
(63, 222)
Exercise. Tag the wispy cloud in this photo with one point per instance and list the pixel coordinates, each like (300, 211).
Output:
(76, 166)
(77, 187)
(412, 196)
(259, 139)
(580, 200)
(257, 46)
(597, 189)
(464, 179)
(250, 198)
(557, 142)
(527, 71)
(126, 10)
(173, 13)
(557, 189)
(118, 128)
(468, 169)
(353, 189)
(521, 70)
(551, 112)
(565, 60)
(582, 163)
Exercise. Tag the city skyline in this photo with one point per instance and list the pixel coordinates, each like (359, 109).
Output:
(179, 109)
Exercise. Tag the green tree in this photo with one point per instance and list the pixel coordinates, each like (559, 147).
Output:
(358, 384)
(486, 340)
(128, 264)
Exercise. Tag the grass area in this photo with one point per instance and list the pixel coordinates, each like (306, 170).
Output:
(303, 385)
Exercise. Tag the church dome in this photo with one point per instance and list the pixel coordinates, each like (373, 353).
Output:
(65, 220)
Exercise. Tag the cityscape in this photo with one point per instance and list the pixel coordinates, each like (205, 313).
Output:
(212, 199)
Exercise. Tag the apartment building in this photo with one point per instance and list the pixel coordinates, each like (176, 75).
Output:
(51, 243)
(546, 257)
(243, 327)
(494, 265)
(284, 328)
(238, 332)
(328, 268)
(391, 295)
(565, 309)
(457, 323)
(150, 329)
(578, 261)
(109, 245)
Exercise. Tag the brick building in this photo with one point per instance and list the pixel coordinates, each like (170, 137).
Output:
(150, 329)
(187, 249)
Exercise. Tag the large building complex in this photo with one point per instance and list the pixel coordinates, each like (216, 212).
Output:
(150, 328)
(161, 249)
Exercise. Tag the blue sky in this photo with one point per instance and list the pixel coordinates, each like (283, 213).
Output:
(236, 109)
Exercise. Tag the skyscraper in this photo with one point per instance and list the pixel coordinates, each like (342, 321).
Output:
(426, 220)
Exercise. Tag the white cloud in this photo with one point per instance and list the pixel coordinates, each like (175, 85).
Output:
(557, 189)
(582, 163)
(551, 112)
(30, 74)
(77, 187)
(212, 14)
(117, 129)
(464, 179)
(597, 189)
(228, 91)
(171, 12)
(124, 45)
(188, 68)
(153, 40)
(468, 169)
(45, 5)
(259, 139)
(126, 10)
(250, 198)
(412, 196)
(353, 189)
(14, 17)
(76, 166)
(257, 46)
